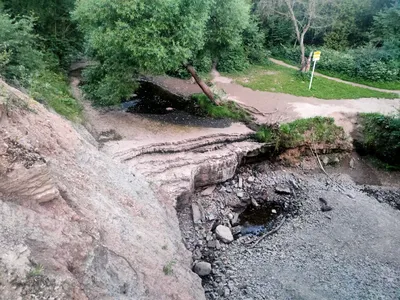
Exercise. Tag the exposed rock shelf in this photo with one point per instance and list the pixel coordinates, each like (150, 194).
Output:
(181, 166)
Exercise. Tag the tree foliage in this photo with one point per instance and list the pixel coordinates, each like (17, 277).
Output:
(386, 26)
(161, 36)
(52, 23)
(139, 36)
(25, 64)
(225, 27)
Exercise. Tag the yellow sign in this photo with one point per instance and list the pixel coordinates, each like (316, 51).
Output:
(317, 56)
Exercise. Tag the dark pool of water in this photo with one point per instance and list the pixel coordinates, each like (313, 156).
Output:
(257, 220)
(157, 104)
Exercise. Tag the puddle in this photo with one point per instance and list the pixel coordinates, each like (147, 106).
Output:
(257, 220)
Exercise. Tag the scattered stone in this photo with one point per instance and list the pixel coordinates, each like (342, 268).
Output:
(212, 244)
(235, 219)
(197, 214)
(254, 202)
(352, 163)
(324, 205)
(325, 160)
(251, 179)
(211, 217)
(217, 245)
(240, 183)
(202, 268)
(208, 191)
(294, 184)
(226, 291)
(282, 189)
(224, 234)
(274, 211)
(240, 194)
(230, 216)
(197, 254)
(336, 160)
(236, 230)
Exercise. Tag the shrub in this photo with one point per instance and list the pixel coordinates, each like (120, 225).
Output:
(23, 64)
(19, 55)
(371, 64)
(107, 87)
(301, 132)
(381, 137)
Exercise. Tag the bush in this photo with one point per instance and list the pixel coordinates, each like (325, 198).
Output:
(107, 87)
(23, 64)
(19, 55)
(253, 40)
(234, 60)
(371, 64)
(381, 137)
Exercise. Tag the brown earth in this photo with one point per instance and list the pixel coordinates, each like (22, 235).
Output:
(76, 224)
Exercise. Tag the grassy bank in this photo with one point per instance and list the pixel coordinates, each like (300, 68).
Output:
(386, 85)
(52, 89)
(274, 78)
(317, 130)
(227, 110)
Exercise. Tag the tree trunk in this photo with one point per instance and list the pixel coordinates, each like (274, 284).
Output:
(204, 87)
(303, 55)
(309, 62)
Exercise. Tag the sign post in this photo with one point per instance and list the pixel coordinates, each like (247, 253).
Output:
(316, 57)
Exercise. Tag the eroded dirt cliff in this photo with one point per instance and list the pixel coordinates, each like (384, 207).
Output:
(75, 224)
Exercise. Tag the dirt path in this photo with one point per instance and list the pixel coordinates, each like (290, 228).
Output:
(278, 107)
(281, 63)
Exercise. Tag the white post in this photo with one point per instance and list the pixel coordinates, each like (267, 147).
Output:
(312, 74)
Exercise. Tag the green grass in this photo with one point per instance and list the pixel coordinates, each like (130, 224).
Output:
(36, 270)
(274, 78)
(386, 85)
(226, 110)
(168, 268)
(52, 89)
(309, 131)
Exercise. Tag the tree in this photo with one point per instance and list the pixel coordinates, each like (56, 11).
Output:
(350, 28)
(304, 15)
(18, 55)
(134, 36)
(52, 23)
(225, 27)
(386, 26)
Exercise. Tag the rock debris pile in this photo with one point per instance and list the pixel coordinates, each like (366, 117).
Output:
(276, 233)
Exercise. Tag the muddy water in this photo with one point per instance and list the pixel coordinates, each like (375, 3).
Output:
(155, 103)
(257, 220)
